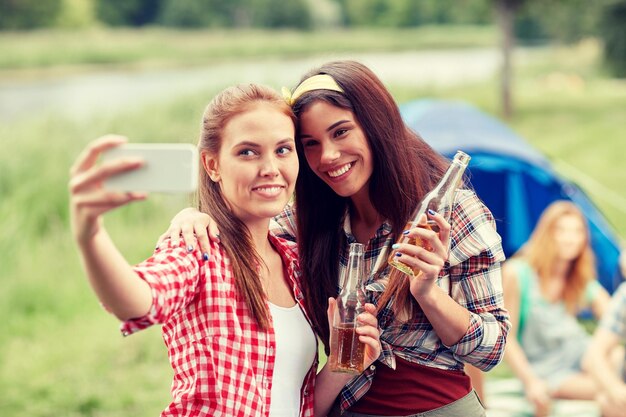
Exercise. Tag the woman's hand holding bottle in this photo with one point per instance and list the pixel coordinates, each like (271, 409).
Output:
(426, 252)
(368, 331)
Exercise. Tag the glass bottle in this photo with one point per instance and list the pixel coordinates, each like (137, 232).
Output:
(346, 351)
(440, 200)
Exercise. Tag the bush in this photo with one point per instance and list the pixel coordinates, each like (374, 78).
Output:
(28, 14)
(281, 14)
(203, 13)
(236, 13)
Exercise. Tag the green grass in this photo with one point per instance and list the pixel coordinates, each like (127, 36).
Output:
(158, 47)
(61, 355)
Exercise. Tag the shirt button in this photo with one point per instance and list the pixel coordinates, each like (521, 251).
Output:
(372, 367)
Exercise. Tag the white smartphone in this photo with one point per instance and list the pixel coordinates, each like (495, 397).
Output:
(168, 168)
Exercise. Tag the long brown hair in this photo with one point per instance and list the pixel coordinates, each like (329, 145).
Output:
(541, 252)
(234, 235)
(405, 169)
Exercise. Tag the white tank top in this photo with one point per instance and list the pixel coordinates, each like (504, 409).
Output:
(295, 352)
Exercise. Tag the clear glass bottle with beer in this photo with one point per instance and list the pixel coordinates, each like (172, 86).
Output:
(346, 351)
(440, 199)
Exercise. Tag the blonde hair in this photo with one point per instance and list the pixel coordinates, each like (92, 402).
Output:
(234, 235)
(541, 251)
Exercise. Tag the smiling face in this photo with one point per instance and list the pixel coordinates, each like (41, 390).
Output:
(336, 148)
(257, 165)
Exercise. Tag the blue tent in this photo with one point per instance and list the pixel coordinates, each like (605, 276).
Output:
(514, 180)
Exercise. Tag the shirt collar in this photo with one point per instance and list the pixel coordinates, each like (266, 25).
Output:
(383, 230)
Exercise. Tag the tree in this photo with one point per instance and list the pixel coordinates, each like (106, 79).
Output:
(613, 32)
(506, 11)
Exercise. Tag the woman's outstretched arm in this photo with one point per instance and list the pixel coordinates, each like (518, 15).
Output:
(111, 277)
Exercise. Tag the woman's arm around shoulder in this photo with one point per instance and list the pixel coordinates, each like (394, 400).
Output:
(198, 228)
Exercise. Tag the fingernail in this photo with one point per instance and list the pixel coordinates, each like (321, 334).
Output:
(189, 248)
(205, 256)
(406, 232)
(398, 254)
(431, 212)
(395, 246)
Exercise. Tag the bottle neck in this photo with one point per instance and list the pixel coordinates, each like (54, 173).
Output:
(354, 270)
(441, 198)
(452, 178)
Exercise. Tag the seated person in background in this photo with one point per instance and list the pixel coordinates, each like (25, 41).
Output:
(604, 358)
(546, 284)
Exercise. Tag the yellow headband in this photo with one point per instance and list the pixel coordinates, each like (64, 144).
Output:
(316, 82)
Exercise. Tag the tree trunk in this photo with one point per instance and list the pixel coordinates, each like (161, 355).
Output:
(506, 16)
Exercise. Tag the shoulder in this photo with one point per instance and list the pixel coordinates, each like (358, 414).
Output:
(517, 273)
(169, 254)
(472, 219)
(219, 263)
(515, 266)
(594, 291)
(468, 206)
(284, 224)
(473, 231)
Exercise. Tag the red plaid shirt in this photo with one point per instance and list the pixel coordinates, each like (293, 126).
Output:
(223, 363)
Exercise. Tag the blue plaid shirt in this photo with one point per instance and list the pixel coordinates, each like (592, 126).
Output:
(472, 277)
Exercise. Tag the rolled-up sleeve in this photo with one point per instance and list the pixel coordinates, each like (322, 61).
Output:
(476, 282)
(174, 276)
